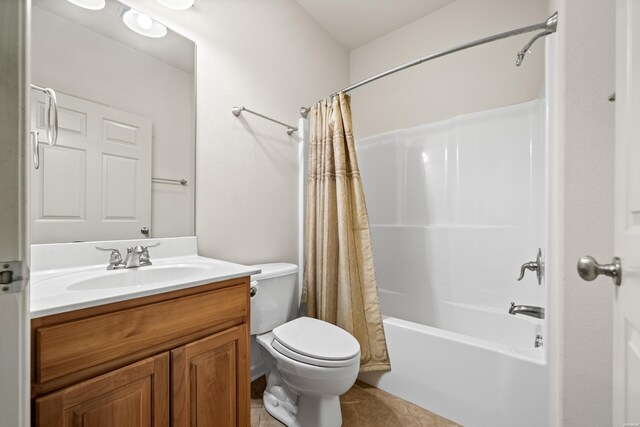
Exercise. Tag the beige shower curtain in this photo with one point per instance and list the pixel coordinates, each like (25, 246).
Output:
(339, 278)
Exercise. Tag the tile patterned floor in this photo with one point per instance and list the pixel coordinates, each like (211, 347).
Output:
(362, 406)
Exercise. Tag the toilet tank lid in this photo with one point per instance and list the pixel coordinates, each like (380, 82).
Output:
(274, 269)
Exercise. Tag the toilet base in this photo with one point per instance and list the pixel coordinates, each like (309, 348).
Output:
(299, 410)
(312, 411)
(279, 411)
(280, 401)
(319, 411)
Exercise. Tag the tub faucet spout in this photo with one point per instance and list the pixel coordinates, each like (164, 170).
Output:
(527, 310)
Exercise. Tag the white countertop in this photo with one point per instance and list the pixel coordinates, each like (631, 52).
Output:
(58, 290)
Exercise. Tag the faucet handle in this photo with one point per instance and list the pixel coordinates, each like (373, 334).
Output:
(114, 259)
(144, 258)
(536, 266)
(152, 246)
(115, 253)
(107, 249)
(531, 266)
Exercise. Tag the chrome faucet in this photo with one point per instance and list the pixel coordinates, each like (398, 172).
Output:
(134, 254)
(527, 310)
(137, 256)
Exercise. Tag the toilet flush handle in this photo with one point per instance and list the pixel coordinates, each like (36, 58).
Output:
(253, 289)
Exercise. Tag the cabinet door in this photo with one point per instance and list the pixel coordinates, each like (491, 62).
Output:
(134, 396)
(211, 381)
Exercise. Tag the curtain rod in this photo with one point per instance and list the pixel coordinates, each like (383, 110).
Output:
(549, 26)
(237, 110)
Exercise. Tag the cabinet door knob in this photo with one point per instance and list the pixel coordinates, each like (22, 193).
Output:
(589, 269)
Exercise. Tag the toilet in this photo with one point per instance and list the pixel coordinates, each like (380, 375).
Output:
(308, 363)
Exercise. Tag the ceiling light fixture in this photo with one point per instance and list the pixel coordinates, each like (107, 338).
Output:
(89, 4)
(143, 24)
(176, 4)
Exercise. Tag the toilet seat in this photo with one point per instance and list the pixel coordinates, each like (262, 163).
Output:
(285, 351)
(316, 342)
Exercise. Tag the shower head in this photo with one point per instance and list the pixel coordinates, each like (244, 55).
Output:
(549, 27)
(525, 49)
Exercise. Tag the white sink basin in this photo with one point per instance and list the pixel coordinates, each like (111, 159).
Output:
(57, 291)
(138, 277)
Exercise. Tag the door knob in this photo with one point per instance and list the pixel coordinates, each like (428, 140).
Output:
(589, 269)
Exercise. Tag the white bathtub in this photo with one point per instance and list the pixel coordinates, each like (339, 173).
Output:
(493, 379)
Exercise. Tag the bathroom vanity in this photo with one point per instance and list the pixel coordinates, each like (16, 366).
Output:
(145, 343)
(172, 352)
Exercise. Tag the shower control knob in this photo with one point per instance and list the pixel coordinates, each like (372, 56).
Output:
(589, 269)
(537, 266)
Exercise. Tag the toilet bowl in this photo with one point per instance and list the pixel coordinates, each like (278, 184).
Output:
(308, 363)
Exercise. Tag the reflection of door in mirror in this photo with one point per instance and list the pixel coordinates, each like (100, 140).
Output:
(102, 66)
(95, 184)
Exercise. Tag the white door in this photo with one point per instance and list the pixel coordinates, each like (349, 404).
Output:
(14, 294)
(95, 184)
(626, 333)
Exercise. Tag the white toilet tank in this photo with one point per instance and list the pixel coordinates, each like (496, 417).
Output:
(276, 296)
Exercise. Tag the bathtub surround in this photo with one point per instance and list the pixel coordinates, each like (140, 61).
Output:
(456, 207)
(340, 281)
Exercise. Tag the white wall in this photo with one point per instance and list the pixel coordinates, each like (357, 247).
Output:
(473, 80)
(75, 60)
(582, 221)
(270, 56)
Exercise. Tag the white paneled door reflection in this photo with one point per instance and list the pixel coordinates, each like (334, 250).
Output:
(95, 184)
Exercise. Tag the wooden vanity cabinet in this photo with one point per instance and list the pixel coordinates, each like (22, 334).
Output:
(179, 358)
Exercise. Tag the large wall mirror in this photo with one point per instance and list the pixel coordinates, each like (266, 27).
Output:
(123, 165)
